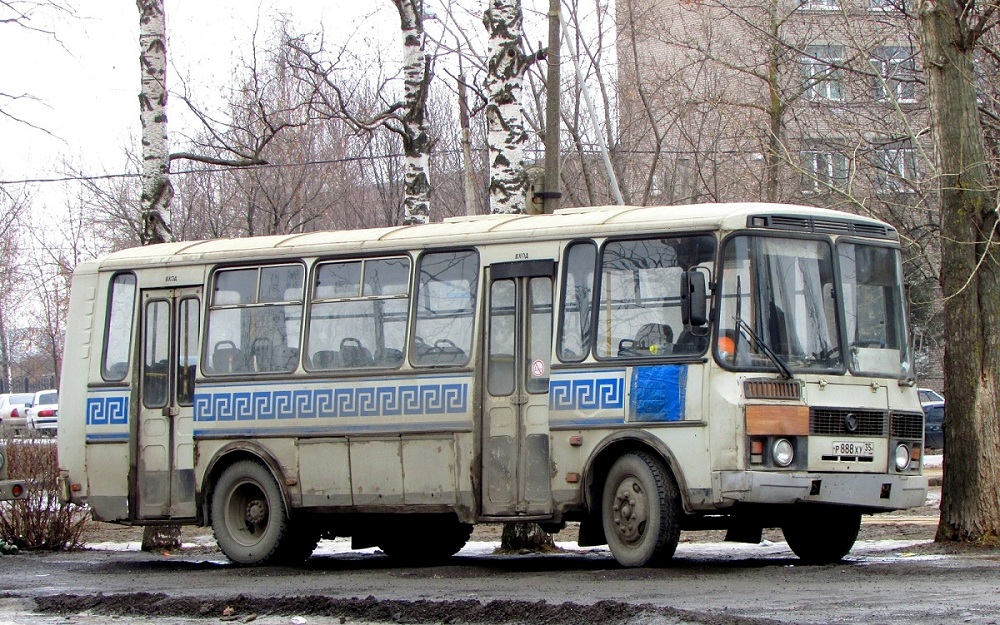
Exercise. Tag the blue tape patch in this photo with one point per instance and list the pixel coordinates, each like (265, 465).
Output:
(658, 393)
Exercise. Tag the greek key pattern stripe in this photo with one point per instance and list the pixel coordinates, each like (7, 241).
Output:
(107, 410)
(588, 393)
(222, 405)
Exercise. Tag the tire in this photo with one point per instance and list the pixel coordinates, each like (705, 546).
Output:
(421, 540)
(641, 510)
(299, 543)
(249, 518)
(822, 535)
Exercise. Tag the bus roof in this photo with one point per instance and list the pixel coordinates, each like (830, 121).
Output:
(564, 223)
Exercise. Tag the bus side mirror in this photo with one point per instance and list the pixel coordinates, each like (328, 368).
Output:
(694, 298)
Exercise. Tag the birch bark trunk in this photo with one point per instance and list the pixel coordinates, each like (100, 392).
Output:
(505, 131)
(970, 274)
(416, 142)
(156, 189)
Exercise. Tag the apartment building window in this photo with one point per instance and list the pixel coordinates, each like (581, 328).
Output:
(821, 5)
(895, 78)
(822, 77)
(887, 5)
(896, 167)
(823, 169)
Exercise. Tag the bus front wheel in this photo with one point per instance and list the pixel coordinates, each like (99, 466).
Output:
(822, 535)
(641, 510)
(248, 514)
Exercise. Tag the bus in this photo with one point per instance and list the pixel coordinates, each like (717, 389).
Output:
(637, 370)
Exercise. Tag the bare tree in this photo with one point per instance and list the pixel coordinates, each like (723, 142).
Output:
(156, 189)
(405, 117)
(952, 33)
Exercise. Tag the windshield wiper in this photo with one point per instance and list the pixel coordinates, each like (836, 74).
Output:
(764, 347)
(745, 327)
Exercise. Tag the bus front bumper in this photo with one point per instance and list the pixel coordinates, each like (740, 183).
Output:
(868, 490)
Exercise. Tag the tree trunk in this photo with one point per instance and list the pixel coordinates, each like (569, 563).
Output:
(416, 142)
(970, 277)
(156, 189)
(525, 537)
(161, 537)
(505, 132)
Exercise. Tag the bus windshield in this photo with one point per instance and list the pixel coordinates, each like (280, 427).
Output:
(786, 295)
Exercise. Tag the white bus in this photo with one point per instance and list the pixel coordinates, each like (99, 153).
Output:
(639, 370)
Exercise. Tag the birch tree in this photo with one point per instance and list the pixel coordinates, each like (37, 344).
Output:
(505, 128)
(952, 33)
(156, 189)
(406, 117)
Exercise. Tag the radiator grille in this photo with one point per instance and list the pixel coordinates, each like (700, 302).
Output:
(835, 421)
(772, 389)
(907, 425)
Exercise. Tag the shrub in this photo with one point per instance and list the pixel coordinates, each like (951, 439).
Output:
(40, 521)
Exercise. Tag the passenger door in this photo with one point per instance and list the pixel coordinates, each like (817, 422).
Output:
(516, 467)
(164, 467)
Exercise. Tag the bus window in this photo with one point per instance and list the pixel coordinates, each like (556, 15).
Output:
(358, 316)
(578, 301)
(254, 320)
(446, 305)
(118, 332)
(639, 314)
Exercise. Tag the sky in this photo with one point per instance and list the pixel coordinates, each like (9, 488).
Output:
(85, 78)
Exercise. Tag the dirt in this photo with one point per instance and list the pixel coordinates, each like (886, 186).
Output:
(370, 609)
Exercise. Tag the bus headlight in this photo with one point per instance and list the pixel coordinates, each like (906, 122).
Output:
(902, 457)
(782, 452)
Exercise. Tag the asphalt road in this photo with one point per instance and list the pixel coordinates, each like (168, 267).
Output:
(881, 581)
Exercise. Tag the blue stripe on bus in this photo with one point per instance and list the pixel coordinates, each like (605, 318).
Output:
(334, 430)
(108, 436)
(108, 409)
(361, 399)
(590, 390)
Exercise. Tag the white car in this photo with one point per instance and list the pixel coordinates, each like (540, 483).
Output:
(12, 411)
(43, 412)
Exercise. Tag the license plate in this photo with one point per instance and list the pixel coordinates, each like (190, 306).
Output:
(859, 449)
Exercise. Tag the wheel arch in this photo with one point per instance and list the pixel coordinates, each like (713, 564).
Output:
(616, 445)
(229, 455)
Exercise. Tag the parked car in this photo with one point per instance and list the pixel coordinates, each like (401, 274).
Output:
(928, 395)
(43, 412)
(934, 425)
(12, 411)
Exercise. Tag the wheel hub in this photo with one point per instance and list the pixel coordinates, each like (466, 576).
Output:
(630, 515)
(256, 512)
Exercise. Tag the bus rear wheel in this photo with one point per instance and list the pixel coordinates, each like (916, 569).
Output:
(248, 515)
(822, 535)
(641, 510)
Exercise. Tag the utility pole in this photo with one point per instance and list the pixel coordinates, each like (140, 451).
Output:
(551, 195)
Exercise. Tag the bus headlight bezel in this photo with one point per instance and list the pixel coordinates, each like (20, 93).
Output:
(902, 457)
(783, 452)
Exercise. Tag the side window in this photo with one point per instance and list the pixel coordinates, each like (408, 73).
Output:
(118, 332)
(359, 313)
(254, 320)
(445, 308)
(639, 315)
(577, 302)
